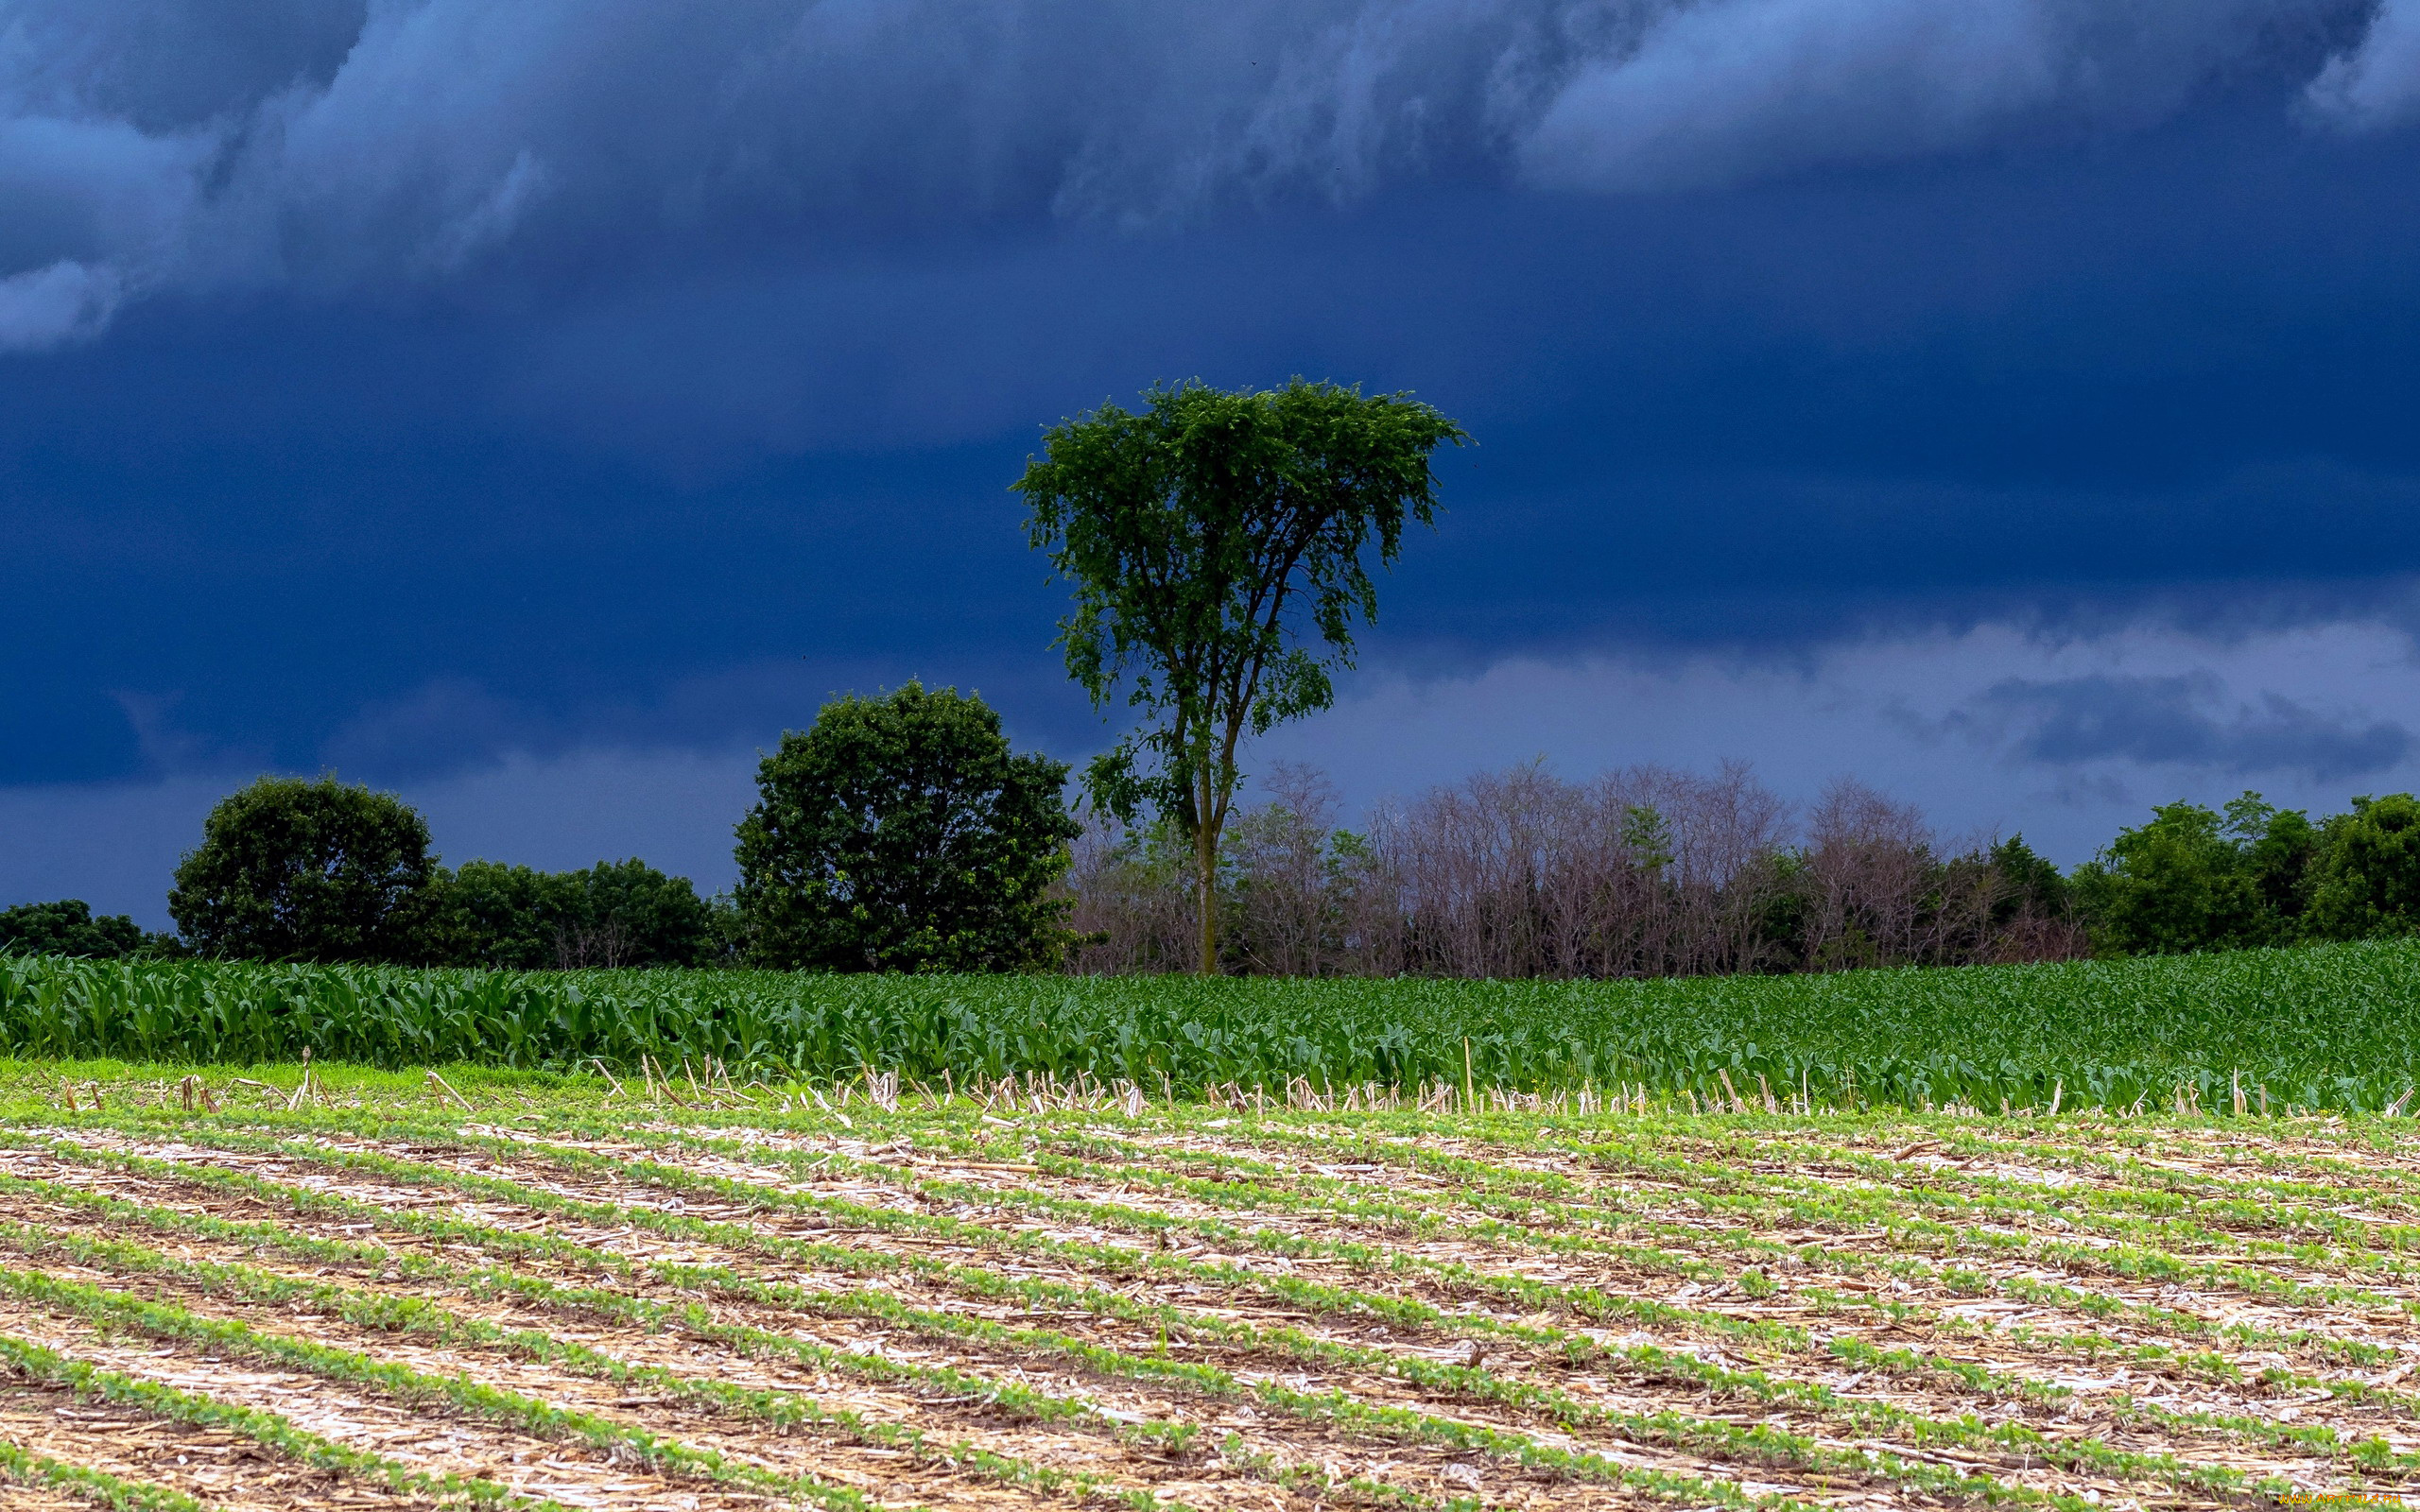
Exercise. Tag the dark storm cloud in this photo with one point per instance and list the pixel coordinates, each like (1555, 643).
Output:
(155, 147)
(2182, 721)
(416, 386)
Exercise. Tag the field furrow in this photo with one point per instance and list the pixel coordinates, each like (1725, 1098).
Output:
(1681, 1265)
(409, 1433)
(680, 1307)
(210, 1463)
(1223, 1388)
(1754, 1315)
(1619, 1380)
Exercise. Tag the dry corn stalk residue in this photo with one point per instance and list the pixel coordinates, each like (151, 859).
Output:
(683, 1302)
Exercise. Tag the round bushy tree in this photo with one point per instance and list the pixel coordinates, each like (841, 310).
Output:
(2366, 879)
(902, 835)
(290, 869)
(490, 914)
(2176, 884)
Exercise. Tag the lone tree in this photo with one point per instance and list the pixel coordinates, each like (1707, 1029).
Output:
(902, 835)
(296, 870)
(1216, 543)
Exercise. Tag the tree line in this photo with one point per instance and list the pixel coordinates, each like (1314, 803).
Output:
(1219, 548)
(897, 833)
(1651, 872)
(1640, 872)
(902, 833)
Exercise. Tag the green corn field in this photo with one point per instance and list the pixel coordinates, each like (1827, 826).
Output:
(2326, 1027)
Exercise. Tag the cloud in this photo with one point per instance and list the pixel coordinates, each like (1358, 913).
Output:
(55, 306)
(2376, 85)
(2182, 720)
(335, 148)
(2066, 738)
(1733, 90)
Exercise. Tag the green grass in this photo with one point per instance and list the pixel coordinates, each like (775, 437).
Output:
(2335, 1027)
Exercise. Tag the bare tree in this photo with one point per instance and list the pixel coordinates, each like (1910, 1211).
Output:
(1134, 906)
(606, 943)
(1711, 846)
(1864, 871)
(1643, 871)
(1284, 916)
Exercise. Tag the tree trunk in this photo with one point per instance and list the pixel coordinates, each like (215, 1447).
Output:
(1205, 889)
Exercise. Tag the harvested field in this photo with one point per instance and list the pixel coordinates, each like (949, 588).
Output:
(368, 1293)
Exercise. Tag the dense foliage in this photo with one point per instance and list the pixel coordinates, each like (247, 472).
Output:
(2196, 879)
(2335, 1026)
(290, 869)
(901, 833)
(1217, 545)
(619, 913)
(69, 927)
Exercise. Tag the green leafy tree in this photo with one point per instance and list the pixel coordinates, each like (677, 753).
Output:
(1217, 545)
(2365, 878)
(488, 914)
(2029, 883)
(901, 833)
(2277, 846)
(290, 869)
(69, 927)
(614, 914)
(625, 913)
(2194, 879)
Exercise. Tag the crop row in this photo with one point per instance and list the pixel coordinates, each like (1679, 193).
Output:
(2257, 1031)
(1189, 1306)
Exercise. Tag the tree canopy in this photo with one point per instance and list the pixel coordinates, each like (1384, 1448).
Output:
(1217, 544)
(613, 914)
(2197, 878)
(293, 869)
(902, 833)
(2365, 878)
(69, 927)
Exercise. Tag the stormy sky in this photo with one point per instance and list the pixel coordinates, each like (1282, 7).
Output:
(537, 407)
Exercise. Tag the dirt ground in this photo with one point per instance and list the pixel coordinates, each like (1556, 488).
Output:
(251, 1291)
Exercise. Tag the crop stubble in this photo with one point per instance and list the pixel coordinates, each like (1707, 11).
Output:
(673, 1308)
